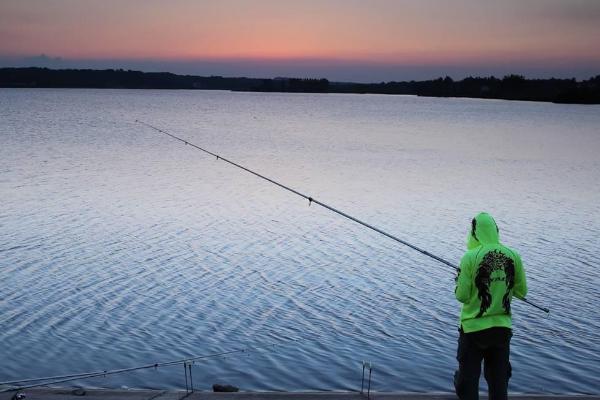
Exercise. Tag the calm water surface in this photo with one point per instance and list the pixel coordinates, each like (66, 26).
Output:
(120, 247)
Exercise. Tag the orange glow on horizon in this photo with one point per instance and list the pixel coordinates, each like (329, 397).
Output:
(379, 32)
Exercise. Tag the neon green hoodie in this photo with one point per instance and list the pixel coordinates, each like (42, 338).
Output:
(489, 275)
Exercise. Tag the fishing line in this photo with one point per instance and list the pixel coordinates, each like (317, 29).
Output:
(324, 205)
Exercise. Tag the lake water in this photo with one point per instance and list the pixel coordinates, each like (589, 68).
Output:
(120, 246)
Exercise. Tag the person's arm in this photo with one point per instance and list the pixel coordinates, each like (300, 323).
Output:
(464, 280)
(520, 288)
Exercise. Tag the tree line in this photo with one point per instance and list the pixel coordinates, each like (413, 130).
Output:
(511, 87)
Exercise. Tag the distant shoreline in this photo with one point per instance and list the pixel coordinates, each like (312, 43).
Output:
(512, 87)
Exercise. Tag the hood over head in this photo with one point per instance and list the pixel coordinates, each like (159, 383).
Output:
(483, 231)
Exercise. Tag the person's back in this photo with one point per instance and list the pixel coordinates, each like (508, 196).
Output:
(489, 275)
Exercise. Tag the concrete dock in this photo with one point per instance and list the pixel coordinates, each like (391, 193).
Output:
(105, 394)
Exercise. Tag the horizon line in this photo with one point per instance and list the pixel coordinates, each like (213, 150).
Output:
(117, 69)
(333, 69)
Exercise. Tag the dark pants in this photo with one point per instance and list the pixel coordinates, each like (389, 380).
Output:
(493, 347)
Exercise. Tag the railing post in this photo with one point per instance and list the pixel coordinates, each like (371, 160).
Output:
(362, 381)
(366, 365)
(185, 372)
(369, 390)
(191, 381)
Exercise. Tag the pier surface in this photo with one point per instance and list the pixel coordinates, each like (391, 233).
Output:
(105, 394)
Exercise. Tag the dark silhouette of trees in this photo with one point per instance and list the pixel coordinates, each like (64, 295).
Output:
(510, 87)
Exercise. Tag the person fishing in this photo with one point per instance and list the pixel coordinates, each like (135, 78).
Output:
(490, 274)
(312, 200)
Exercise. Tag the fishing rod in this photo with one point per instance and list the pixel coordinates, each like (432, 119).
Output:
(324, 205)
(51, 380)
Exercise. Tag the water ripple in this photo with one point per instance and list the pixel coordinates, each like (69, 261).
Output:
(122, 248)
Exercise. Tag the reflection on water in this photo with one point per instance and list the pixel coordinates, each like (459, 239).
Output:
(120, 247)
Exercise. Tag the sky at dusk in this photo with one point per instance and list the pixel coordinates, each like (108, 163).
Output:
(344, 40)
